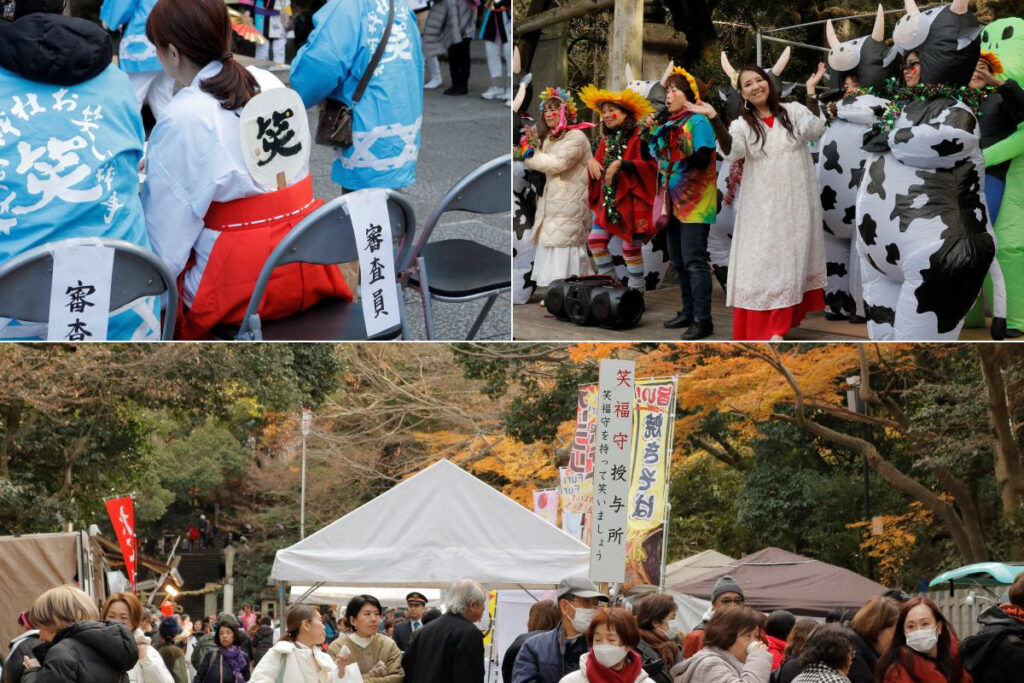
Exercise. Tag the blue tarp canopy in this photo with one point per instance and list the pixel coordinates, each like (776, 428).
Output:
(980, 574)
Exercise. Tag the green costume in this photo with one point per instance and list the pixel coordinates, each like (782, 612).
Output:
(1005, 38)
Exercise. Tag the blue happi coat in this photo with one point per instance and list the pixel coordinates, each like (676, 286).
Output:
(136, 53)
(69, 158)
(386, 122)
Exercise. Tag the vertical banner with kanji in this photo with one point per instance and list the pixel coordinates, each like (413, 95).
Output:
(611, 470)
(545, 505)
(122, 516)
(577, 484)
(653, 414)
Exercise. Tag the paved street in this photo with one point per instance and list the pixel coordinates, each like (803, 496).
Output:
(459, 134)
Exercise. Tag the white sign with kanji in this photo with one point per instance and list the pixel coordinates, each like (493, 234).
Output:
(80, 293)
(615, 396)
(377, 278)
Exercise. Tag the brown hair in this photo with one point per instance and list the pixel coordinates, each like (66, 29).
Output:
(728, 623)
(131, 602)
(61, 606)
(652, 608)
(1017, 591)
(797, 640)
(296, 615)
(201, 31)
(877, 614)
(682, 85)
(544, 616)
(899, 656)
(619, 620)
(831, 645)
(774, 105)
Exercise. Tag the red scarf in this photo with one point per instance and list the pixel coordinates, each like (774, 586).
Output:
(1011, 610)
(599, 673)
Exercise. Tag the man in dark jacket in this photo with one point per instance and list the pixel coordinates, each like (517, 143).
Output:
(416, 604)
(262, 640)
(451, 647)
(19, 648)
(85, 652)
(726, 592)
(996, 653)
(550, 655)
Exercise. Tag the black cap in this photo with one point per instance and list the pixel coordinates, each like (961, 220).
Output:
(416, 596)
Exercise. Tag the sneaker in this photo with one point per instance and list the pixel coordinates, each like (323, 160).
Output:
(434, 82)
(493, 93)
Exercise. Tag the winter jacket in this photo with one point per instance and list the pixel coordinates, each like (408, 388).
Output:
(150, 669)
(925, 669)
(380, 649)
(262, 641)
(653, 664)
(563, 213)
(301, 665)
(864, 660)
(819, 673)
(215, 669)
(548, 657)
(996, 653)
(778, 649)
(174, 659)
(19, 647)
(712, 665)
(580, 676)
(790, 669)
(449, 23)
(85, 652)
(694, 640)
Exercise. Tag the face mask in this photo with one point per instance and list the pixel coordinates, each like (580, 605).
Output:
(581, 622)
(609, 655)
(923, 639)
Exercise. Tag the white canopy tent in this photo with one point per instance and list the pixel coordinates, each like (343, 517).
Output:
(434, 528)
(389, 596)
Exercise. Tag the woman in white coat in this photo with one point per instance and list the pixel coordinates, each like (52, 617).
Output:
(127, 609)
(613, 637)
(298, 651)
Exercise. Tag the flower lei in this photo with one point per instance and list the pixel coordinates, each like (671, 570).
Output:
(901, 96)
(615, 146)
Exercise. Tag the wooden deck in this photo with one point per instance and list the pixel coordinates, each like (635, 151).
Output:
(532, 322)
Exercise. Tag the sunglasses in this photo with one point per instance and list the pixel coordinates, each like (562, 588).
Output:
(910, 66)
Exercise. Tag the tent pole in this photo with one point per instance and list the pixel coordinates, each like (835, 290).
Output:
(664, 540)
(310, 591)
(535, 598)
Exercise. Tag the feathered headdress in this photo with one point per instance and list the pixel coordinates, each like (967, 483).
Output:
(994, 62)
(563, 96)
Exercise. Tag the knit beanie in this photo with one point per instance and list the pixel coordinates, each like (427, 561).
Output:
(169, 628)
(726, 584)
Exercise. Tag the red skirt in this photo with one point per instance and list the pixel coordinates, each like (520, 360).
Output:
(748, 325)
(250, 230)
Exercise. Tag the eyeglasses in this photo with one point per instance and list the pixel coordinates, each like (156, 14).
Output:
(910, 66)
(731, 601)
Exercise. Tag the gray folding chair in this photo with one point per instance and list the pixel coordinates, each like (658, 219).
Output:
(25, 280)
(325, 237)
(459, 270)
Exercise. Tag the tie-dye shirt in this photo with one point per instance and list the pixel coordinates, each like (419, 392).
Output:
(691, 190)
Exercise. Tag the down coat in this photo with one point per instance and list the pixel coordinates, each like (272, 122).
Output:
(563, 212)
(85, 652)
(448, 23)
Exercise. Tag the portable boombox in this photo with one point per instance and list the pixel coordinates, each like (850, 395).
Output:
(594, 300)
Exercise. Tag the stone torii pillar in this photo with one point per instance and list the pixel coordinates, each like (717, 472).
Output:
(627, 41)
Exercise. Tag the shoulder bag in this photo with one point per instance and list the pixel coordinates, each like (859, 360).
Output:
(335, 125)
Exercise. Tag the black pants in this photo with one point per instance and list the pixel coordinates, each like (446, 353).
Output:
(458, 63)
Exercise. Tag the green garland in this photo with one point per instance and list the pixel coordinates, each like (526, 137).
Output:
(614, 148)
(900, 96)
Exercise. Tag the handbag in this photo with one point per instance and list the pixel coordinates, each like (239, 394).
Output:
(335, 125)
(661, 208)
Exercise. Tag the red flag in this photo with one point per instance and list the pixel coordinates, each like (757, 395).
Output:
(122, 516)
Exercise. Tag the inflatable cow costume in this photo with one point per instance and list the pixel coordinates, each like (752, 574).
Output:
(730, 174)
(525, 186)
(854, 64)
(924, 234)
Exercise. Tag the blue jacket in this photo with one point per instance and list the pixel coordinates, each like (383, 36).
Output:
(386, 121)
(136, 53)
(547, 657)
(70, 145)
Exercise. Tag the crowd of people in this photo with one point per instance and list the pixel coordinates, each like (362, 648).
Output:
(580, 637)
(889, 221)
(75, 160)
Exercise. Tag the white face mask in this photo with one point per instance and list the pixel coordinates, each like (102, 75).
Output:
(922, 640)
(581, 622)
(609, 655)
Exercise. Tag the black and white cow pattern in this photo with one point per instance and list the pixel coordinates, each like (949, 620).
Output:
(524, 209)
(923, 231)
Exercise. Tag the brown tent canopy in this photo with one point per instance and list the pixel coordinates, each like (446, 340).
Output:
(776, 579)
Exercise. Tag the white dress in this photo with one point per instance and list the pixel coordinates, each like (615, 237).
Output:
(778, 250)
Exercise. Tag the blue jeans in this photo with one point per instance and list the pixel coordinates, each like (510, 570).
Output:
(688, 251)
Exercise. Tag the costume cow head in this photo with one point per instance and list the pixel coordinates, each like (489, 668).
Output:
(654, 91)
(731, 96)
(865, 57)
(523, 95)
(947, 40)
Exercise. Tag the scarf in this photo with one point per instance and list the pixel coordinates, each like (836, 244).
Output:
(599, 673)
(1011, 610)
(236, 660)
(667, 649)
